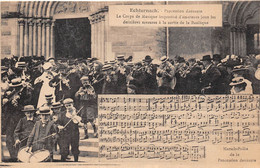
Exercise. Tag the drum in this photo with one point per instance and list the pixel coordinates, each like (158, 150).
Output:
(23, 155)
(40, 156)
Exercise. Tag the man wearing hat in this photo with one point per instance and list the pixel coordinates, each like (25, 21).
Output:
(137, 79)
(16, 99)
(121, 72)
(57, 110)
(150, 81)
(87, 98)
(193, 75)
(181, 67)
(225, 77)
(61, 84)
(68, 124)
(44, 133)
(166, 76)
(24, 126)
(210, 77)
(109, 84)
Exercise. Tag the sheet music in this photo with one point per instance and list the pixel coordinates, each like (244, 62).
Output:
(179, 127)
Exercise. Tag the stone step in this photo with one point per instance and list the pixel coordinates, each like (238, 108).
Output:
(91, 142)
(87, 147)
(88, 151)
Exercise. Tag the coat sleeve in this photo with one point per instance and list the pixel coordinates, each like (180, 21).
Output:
(32, 135)
(18, 130)
(215, 74)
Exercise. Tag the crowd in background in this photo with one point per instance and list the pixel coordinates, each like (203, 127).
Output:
(38, 82)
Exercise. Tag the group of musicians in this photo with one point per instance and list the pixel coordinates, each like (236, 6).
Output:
(58, 96)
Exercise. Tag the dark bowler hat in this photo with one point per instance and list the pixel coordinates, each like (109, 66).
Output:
(48, 96)
(29, 108)
(56, 105)
(120, 57)
(45, 110)
(148, 59)
(206, 58)
(216, 57)
(16, 82)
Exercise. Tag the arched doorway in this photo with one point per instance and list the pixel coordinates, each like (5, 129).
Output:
(253, 34)
(72, 38)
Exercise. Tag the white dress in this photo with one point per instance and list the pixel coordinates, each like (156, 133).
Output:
(45, 89)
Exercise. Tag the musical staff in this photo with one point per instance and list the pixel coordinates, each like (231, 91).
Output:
(175, 127)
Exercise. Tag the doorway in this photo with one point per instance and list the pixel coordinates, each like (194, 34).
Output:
(72, 38)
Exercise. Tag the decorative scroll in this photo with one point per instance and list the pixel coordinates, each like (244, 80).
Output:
(175, 127)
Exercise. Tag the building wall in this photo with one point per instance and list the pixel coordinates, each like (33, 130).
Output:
(190, 42)
(137, 41)
(9, 31)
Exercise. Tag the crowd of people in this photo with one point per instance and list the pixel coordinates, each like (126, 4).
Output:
(53, 98)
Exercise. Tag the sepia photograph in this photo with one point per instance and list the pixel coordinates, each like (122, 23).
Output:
(130, 83)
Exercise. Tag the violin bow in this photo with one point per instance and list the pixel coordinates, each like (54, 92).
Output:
(72, 118)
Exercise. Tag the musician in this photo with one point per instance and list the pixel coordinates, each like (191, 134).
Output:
(45, 79)
(150, 82)
(121, 73)
(87, 98)
(49, 100)
(138, 79)
(109, 85)
(17, 97)
(68, 125)
(181, 68)
(97, 77)
(193, 75)
(166, 76)
(24, 126)
(44, 133)
(210, 77)
(61, 84)
(225, 77)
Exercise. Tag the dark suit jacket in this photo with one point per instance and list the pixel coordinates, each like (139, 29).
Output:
(211, 78)
(37, 139)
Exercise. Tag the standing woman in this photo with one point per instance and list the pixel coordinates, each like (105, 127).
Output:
(45, 79)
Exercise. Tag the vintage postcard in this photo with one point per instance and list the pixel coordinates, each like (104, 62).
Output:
(130, 83)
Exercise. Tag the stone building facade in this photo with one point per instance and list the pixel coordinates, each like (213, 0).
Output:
(27, 29)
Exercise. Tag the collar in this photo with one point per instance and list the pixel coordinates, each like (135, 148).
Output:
(29, 119)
